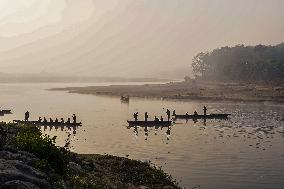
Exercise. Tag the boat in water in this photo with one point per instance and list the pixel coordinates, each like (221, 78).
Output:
(197, 116)
(150, 123)
(124, 98)
(38, 123)
(3, 112)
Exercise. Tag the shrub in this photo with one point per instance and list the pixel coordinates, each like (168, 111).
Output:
(51, 157)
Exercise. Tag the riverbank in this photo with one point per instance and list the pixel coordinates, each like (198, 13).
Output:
(208, 91)
(29, 159)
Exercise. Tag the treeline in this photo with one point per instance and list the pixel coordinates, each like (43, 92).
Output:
(241, 63)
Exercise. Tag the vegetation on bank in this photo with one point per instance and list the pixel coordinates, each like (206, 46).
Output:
(69, 170)
(241, 64)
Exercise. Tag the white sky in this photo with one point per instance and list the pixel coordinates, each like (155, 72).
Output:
(128, 37)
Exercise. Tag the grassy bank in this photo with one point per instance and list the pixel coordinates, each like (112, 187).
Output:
(64, 169)
(209, 91)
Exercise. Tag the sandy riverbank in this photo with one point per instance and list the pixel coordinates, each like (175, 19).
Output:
(190, 91)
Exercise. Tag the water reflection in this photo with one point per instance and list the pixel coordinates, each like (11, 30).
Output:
(146, 130)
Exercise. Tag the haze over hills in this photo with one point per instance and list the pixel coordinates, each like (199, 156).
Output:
(128, 38)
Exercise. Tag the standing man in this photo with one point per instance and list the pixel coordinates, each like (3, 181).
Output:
(204, 110)
(27, 115)
(74, 118)
(146, 116)
(168, 114)
(135, 115)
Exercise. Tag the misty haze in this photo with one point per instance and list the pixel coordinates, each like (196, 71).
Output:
(141, 94)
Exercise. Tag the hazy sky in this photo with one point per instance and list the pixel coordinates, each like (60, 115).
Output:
(128, 37)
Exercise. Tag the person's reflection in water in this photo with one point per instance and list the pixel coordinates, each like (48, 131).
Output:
(45, 127)
(168, 133)
(62, 128)
(204, 122)
(56, 127)
(146, 133)
(135, 130)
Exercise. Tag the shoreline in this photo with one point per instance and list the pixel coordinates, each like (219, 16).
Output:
(188, 91)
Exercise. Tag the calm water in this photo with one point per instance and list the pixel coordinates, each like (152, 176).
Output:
(243, 152)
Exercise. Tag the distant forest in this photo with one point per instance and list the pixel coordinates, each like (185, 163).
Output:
(241, 64)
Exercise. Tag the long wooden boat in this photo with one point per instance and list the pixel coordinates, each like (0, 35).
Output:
(150, 123)
(48, 123)
(5, 112)
(209, 116)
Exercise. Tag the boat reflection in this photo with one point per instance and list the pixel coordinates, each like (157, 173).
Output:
(146, 130)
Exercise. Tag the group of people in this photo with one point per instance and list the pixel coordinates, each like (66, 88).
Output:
(135, 115)
(196, 114)
(44, 120)
(168, 112)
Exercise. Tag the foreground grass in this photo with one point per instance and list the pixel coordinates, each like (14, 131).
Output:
(70, 170)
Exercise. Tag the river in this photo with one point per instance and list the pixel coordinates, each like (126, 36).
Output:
(245, 151)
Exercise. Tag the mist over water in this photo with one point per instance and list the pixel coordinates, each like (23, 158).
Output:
(245, 151)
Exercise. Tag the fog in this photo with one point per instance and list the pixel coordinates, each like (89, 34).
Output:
(128, 38)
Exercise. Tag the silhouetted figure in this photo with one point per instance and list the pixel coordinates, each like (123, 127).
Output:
(50, 120)
(56, 120)
(168, 114)
(195, 113)
(162, 119)
(27, 115)
(61, 120)
(44, 120)
(156, 119)
(39, 119)
(68, 121)
(74, 118)
(174, 113)
(146, 116)
(204, 110)
(135, 115)
(186, 114)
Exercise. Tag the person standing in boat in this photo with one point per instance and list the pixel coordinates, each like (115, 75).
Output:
(162, 119)
(74, 118)
(135, 115)
(204, 110)
(27, 115)
(146, 116)
(195, 113)
(61, 120)
(39, 119)
(168, 114)
(44, 120)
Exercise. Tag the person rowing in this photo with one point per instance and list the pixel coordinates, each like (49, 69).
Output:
(61, 120)
(68, 121)
(39, 119)
(156, 119)
(135, 115)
